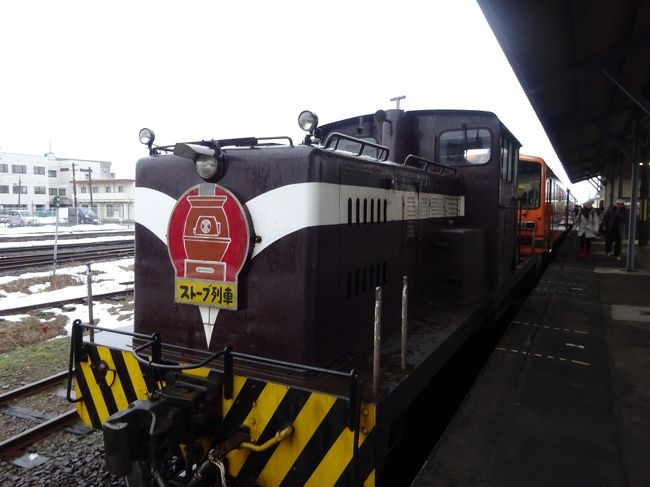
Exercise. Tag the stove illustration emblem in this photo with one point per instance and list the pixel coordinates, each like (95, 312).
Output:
(208, 240)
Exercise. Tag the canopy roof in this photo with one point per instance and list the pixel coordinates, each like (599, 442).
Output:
(585, 67)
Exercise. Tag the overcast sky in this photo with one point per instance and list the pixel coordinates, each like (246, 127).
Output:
(86, 76)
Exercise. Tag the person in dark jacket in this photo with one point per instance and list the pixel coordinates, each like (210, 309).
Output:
(614, 221)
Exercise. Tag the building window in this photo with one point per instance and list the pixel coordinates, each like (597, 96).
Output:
(4, 188)
(108, 189)
(54, 191)
(22, 190)
(61, 191)
(95, 189)
(120, 189)
(109, 211)
(4, 167)
(19, 169)
(51, 173)
(64, 169)
(39, 170)
(39, 189)
(84, 189)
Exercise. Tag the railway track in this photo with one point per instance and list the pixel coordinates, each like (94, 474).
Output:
(45, 426)
(44, 255)
(63, 235)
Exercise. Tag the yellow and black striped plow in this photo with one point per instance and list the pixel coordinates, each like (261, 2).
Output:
(321, 448)
(319, 452)
(105, 392)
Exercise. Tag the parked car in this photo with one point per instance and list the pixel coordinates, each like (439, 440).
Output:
(4, 217)
(82, 216)
(20, 218)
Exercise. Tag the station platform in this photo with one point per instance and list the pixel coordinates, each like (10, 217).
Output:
(564, 399)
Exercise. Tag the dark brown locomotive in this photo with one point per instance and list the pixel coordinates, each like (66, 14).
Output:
(373, 202)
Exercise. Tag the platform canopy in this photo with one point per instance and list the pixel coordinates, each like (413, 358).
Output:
(585, 67)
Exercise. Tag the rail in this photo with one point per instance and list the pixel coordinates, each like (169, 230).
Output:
(39, 431)
(29, 436)
(33, 387)
(103, 252)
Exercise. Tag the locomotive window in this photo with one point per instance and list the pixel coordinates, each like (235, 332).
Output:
(468, 146)
(508, 157)
(354, 147)
(530, 180)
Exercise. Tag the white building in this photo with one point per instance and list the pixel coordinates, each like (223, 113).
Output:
(31, 182)
(111, 198)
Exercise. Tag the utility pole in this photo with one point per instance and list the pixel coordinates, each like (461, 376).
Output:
(90, 184)
(74, 187)
(20, 190)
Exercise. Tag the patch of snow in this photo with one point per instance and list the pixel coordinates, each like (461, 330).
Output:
(112, 274)
(14, 317)
(36, 288)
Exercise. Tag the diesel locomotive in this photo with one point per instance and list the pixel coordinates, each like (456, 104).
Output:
(294, 301)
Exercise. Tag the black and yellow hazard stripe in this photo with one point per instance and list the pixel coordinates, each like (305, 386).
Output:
(318, 453)
(103, 396)
(320, 450)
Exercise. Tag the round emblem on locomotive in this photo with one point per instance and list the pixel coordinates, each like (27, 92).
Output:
(208, 239)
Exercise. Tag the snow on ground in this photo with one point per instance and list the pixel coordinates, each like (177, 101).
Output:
(114, 276)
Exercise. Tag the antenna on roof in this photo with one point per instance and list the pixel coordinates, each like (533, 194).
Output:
(397, 99)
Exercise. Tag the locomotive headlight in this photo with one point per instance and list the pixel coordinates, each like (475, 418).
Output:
(206, 166)
(147, 136)
(308, 121)
(210, 163)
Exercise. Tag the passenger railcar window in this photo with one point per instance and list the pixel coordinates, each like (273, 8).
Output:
(468, 146)
(529, 188)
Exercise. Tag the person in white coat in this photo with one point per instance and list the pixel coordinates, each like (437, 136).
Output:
(586, 227)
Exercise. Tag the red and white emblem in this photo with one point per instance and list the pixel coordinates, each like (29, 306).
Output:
(208, 239)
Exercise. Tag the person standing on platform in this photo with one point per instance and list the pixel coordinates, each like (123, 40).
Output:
(614, 221)
(586, 226)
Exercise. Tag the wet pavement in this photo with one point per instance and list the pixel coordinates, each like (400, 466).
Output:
(565, 397)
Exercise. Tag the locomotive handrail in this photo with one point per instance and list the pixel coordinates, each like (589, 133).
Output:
(237, 142)
(334, 138)
(155, 342)
(442, 168)
(275, 138)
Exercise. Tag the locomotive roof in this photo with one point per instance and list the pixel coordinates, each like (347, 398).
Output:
(445, 111)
